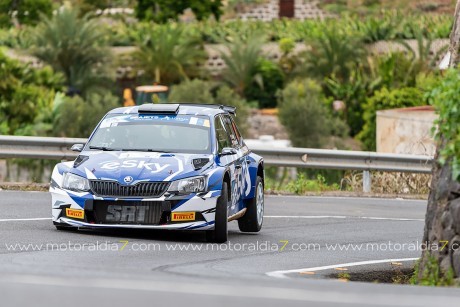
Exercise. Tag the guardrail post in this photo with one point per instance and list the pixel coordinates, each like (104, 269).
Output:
(367, 181)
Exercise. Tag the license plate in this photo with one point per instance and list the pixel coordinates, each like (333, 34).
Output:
(130, 214)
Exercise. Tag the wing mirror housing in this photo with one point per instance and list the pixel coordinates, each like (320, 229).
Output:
(228, 151)
(77, 147)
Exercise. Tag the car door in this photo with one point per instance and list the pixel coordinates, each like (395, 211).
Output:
(241, 173)
(245, 162)
(224, 140)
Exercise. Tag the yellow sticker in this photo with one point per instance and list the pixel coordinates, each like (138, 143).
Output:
(182, 216)
(74, 213)
(206, 123)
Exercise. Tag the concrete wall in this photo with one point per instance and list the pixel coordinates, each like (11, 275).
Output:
(406, 131)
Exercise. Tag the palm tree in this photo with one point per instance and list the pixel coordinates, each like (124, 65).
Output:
(169, 53)
(74, 46)
(242, 61)
(333, 52)
(423, 58)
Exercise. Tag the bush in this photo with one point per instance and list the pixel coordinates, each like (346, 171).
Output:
(193, 91)
(27, 11)
(446, 98)
(77, 117)
(382, 100)
(199, 91)
(272, 81)
(303, 112)
(24, 93)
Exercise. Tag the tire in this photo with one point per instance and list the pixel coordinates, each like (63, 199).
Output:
(253, 219)
(220, 232)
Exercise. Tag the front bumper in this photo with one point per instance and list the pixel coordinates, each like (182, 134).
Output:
(202, 205)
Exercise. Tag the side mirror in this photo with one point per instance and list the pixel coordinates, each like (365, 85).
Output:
(77, 147)
(228, 151)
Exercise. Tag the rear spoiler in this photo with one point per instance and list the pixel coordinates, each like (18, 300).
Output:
(228, 109)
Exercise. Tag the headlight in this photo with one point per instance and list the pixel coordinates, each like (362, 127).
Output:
(75, 183)
(188, 185)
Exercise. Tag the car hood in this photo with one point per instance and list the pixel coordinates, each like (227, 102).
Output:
(139, 166)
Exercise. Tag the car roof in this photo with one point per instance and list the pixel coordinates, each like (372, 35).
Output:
(183, 109)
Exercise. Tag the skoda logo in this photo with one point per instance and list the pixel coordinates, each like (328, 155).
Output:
(128, 179)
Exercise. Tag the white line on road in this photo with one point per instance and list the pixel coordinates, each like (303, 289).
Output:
(30, 219)
(341, 217)
(282, 274)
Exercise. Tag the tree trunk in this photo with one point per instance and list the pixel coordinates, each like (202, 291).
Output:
(442, 221)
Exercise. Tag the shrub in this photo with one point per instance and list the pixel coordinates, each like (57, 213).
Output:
(382, 100)
(24, 93)
(77, 117)
(27, 11)
(272, 80)
(165, 10)
(194, 91)
(446, 99)
(303, 112)
(199, 91)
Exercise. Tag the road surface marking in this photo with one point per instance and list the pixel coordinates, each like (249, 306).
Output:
(341, 217)
(282, 274)
(30, 219)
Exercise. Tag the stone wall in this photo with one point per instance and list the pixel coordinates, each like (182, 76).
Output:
(442, 222)
(269, 10)
(215, 63)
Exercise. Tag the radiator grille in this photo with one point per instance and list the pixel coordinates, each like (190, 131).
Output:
(141, 189)
(128, 212)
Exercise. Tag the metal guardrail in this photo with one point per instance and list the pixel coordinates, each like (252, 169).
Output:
(59, 149)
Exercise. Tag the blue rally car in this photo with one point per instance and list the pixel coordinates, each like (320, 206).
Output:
(162, 166)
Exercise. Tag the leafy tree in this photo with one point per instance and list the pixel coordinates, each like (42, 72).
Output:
(76, 47)
(382, 100)
(199, 91)
(302, 110)
(169, 53)
(164, 10)
(242, 62)
(25, 12)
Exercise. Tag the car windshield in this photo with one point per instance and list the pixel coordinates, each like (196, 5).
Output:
(158, 133)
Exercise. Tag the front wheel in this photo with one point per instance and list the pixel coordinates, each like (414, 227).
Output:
(253, 219)
(220, 232)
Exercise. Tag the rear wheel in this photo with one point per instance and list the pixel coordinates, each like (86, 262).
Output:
(220, 232)
(253, 219)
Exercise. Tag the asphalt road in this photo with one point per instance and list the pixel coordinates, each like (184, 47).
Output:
(40, 265)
